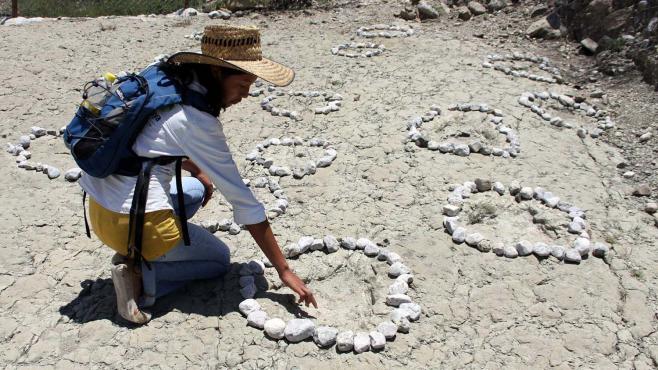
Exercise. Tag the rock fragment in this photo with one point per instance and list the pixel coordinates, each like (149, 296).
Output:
(275, 328)
(361, 342)
(377, 340)
(325, 336)
(257, 319)
(345, 341)
(299, 329)
(248, 306)
(388, 329)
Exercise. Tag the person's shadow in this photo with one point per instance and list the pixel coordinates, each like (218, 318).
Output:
(214, 297)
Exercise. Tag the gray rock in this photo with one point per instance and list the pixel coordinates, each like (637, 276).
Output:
(642, 190)
(52, 172)
(526, 193)
(361, 342)
(371, 250)
(474, 239)
(542, 29)
(388, 329)
(510, 252)
(299, 329)
(459, 235)
(345, 341)
(498, 249)
(645, 137)
(496, 5)
(224, 225)
(461, 150)
(600, 250)
(450, 224)
(275, 328)
(446, 147)
(476, 8)
(514, 188)
(557, 251)
(484, 245)
(407, 278)
(210, 225)
(651, 208)
(463, 13)
(572, 256)
(73, 174)
(524, 248)
(257, 319)
(248, 306)
(325, 336)
(377, 340)
(398, 287)
(499, 188)
(541, 250)
(397, 299)
(414, 310)
(583, 246)
(331, 244)
(348, 243)
(24, 141)
(317, 245)
(234, 229)
(397, 269)
(482, 184)
(589, 45)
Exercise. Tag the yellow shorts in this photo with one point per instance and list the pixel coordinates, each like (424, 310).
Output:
(162, 230)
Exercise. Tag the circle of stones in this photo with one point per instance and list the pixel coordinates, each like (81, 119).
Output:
(256, 156)
(334, 101)
(19, 150)
(404, 309)
(377, 49)
(493, 61)
(384, 30)
(580, 248)
(531, 100)
(463, 150)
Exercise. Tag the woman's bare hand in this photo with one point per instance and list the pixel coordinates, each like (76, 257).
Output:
(297, 285)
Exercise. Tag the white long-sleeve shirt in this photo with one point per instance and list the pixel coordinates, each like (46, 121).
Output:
(180, 130)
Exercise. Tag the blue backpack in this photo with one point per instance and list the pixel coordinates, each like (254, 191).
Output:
(106, 125)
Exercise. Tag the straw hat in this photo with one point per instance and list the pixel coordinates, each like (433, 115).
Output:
(236, 48)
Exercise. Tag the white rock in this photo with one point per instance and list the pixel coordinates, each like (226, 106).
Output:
(371, 250)
(331, 244)
(24, 141)
(361, 243)
(234, 229)
(459, 235)
(474, 239)
(526, 193)
(398, 287)
(461, 150)
(398, 314)
(325, 336)
(557, 251)
(299, 329)
(600, 250)
(361, 342)
(414, 310)
(317, 245)
(257, 319)
(248, 306)
(510, 252)
(514, 188)
(450, 224)
(583, 246)
(52, 172)
(499, 188)
(275, 328)
(572, 255)
(348, 243)
(541, 250)
(397, 299)
(224, 225)
(404, 326)
(388, 329)
(345, 341)
(499, 249)
(407, 278)
(397, 269)
(377, 340)
(305, 243)
(524, 248)
(451, 210)
(73, 174)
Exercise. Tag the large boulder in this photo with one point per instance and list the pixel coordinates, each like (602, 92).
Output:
(476, 8)
(463, 13)
(432, 10)
(496, 5)
(543, 29)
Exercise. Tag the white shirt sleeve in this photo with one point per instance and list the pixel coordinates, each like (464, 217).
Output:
(201, 138)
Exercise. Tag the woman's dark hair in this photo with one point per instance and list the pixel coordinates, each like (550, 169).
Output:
(184, 73)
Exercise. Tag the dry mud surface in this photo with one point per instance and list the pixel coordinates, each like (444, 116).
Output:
(57, 303)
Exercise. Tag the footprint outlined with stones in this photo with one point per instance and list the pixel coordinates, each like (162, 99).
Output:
(385, 31)
(372, 49)
(482, 140)
(404, 310)
(333, 101)
(520, 63)
(538, 102)
(461, 195)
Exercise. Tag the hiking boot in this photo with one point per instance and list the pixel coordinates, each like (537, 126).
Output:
(125, 287)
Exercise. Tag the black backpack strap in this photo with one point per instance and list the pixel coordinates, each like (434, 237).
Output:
(84, 212)
(182, 213)
(137, 212)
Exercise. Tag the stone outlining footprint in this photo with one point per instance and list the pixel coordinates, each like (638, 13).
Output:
(414, 133)
(334, 101)
(581, 247)
(295, 330)
(533, 101)
(493, 61)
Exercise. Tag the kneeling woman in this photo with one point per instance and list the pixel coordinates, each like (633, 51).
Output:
(229, 64)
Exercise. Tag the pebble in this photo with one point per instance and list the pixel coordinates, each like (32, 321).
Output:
(541, 250)
(325, 336)
(414, 310)
(377, 340)
(397, 299)
(388, 329)
(474, 239)
(24, 141)
(257, 319)
(600, 250)
(645, 137)
(331, 243)
(499, 249)
(499, 188)
(582, 245)
(397, 269)
(248, 306)
(642, 190)
(459, 235)
(450, 224)
(557, 251)
(398, 287)
(345, 341)
(361, 342)
(651, 208)
(234, 229)
(348, 243)
(451, 210)
(275, 328)
(52, 172)
(483, 184)
(526, 193)
(407, 278)
(371, 250)
(484, 246)
(317, 245)
(510, 252)
(514, 188)
(461, 150)
(73, 174)
(572, 256)
(524, 248)
(299, 329)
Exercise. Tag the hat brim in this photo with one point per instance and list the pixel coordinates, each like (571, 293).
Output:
(266, 69)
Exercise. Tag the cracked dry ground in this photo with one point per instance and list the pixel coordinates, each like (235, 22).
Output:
(480, 311)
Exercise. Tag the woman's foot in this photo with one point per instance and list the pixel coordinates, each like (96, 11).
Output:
(127, 292)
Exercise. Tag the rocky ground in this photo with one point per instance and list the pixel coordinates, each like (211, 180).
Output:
(479, 310)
